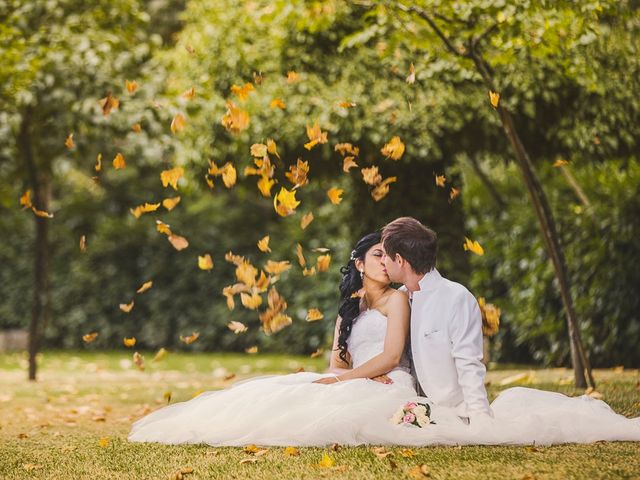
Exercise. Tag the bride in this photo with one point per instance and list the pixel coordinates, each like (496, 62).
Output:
(302, 409)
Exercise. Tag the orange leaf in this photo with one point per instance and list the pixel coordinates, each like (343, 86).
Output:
(346, 104)
(127, 307)
(237, 327)
(371, 175)
(326, 462)
(285, 202)
(25, 199)
(189, 94)
(298, 174)
(382, 190)
(98, 166)
(131, 86)
(83, 243)
(316, 136)
(171, 177)
(306, 220)
(453, 194)
(104, 442)
(301, 259)
(205, 262)
(473, 246)
(136, 127)
(89, 337)
(335, 195)
(251, 350)
(190, 338)
(264, 185)
(292, 77)
(560, 163)
(160, 354)
(263, 244)
(178, 242)
(147, 207)
(129, 342)
(41, 213)
(178, 123)
(242, 92)
(276, 268)
(345, 148)
(272, 148)
(145, 286)
(291, 452)
(69, 142)
(251, 301)
(163, 227)
(109, 103)
(235, 120)
(314, 314)
(348, 163)
(394, 149)
(277, 102)
(323, 262)
(170, 203)
(494, 98)
(440, 180)
(119, 162)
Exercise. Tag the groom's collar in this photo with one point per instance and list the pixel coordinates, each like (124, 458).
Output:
(430, 282)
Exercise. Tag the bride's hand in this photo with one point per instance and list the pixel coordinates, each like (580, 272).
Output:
(383, 379)
(327, 380)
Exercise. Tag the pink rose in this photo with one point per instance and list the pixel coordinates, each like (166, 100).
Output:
(408, 418)
(410, 405)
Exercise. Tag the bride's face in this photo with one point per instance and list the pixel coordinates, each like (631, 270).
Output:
(373, 266)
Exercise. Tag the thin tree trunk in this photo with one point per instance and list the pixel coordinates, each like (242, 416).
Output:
(487, 182)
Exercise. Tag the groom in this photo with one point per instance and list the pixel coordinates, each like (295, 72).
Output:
(446, 324)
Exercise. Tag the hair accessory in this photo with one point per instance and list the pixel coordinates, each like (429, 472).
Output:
(353, 255)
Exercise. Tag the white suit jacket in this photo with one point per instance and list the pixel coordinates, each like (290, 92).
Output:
(446, 345)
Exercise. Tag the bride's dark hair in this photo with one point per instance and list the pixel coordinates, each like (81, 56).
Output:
(350, 284)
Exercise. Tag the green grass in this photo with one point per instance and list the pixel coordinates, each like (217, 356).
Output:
(52, 428)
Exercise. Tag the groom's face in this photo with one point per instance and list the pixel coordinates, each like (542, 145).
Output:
(392, 267)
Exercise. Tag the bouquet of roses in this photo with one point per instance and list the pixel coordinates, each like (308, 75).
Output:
(413, 413)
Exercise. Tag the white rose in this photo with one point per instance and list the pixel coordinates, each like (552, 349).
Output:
(420, 410)
(423, 420)
(397, 417)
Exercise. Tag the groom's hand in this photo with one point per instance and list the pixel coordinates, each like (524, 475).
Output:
(383, 379)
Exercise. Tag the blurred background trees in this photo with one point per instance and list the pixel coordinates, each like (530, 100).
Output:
(571, 90)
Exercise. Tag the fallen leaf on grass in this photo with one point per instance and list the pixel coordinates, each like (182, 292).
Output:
(381, 452)
(138, 360)
(104, 442)
(419, 472)
(179, 475)
(407, 453)
(326, 461)
(291, 452)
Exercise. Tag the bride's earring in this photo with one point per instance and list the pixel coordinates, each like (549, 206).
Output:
(361, 274)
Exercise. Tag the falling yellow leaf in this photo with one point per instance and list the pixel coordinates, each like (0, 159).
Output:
(276, 268)
(178, 123)
(109, 103)
(307, 272)
(323, 262)
(326, 462)
(411, 78)
(178, 242)
(189, 339)
(371, 176)
(171, 177)
(138, 360)
(259, 150)
(301, 259)
(170, 203)
(346, 104)
(263, 244)
(25, 199)
(297, 174)
(394, 149)
(306, 220)
(132, 86)
(104, 442)
(291, 452)
(129, 342)
(136, 127)
(160, 354)
(246, 273)
(285, 202)
(453, 193)
(251, 350)
(235, 119)
(242, 92)
(83, 243)
(69, 142)
(127, 307)
(272, 148)
(189, 94)
(119, 162)
(163, 227)
(41, 213)
(407, 453)
(264, 185)
(314, 314)
(147, 207)
(250, 301)
(473, 246)
(560, 163)
(316, 136)
(229, 175)
(317, 353)
(237, 327)
(490, 317)
(263, 282)
(335, 195)
(277, 102)
(292, 77)
(275, 323)
(205, 262)
(494, 98)
(382, 190)
(98, 166)
(347, 148)
(348, 163)
(440, 180)
(89, 337)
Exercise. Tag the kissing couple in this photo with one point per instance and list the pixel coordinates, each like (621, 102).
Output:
(405, 369)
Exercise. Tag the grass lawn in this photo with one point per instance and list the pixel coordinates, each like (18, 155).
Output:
(74, 421)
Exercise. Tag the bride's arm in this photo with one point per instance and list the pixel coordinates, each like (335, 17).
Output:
(394, 341)
(336, 364)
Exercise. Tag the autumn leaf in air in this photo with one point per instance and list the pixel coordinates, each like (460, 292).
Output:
(285, 202)
(251, 350)
(323, 262)
(171, 177)
(160, 354)
(242, 92)
(235, 119)
(381, 190)
(163, 227)
(178, 123)
(490, 317)
(83, 243)
(144, 287)
(205, 262)
(272, 148)
(41, 213)
(440, 180)
(346, 104)
(494, 98)
(277, 103)
(348, 163)
(394, 149)
(119, 162)
(250, 301)
(237, 327)
(314, 314)
(178, 242)
(473, 246)
(316, 136)
(136, 127)
(292, 77)
(189, 94)
(246, 273)
(276, 268)
(25, 199)
(371, 176)
(109, 103)
(189, 339)
(69, 142)
(307, 272)
(89, 337)
(297, 174)
(264, 185)
(146, 208)
(258, 150)
(132, 86)
(127, 307)
(138, 360)
(170, 203)
(453, 193)
(301, 260)
(306, 220)
(335, 195)
(560, 163)
(411, 78)
(347, 148)
(129, 342)
(98, 166)
(263, 244)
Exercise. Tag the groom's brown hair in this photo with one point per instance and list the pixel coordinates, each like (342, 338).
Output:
(416, 243)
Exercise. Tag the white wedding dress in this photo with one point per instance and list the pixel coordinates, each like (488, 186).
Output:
(291, 410)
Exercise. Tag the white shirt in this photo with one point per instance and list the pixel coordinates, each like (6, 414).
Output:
(447, 346)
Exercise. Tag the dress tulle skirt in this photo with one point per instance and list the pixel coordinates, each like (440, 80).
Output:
(289, 410)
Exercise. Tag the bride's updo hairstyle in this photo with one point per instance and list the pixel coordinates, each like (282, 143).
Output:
(350, 284)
